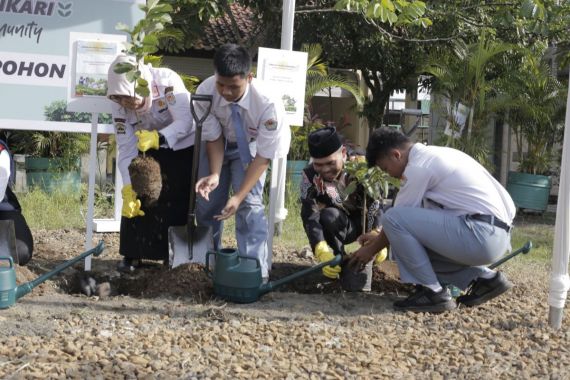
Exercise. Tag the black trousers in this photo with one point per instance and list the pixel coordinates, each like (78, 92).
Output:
(24, 240)
(339, 229)
(146, 237)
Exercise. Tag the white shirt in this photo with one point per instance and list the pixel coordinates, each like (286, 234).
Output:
(262, 116)
(4, 172)
(169, 114)
(444, 177)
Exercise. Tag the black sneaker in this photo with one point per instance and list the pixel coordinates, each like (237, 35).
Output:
(426, 300)
(128, 265)
(484, 289)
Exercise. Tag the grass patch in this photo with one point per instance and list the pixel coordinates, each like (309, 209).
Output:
(52, 211)
(67, 210)
(540, 230)
(62, 209)
(292, 232)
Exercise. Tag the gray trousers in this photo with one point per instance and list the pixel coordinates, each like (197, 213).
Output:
(433, 246)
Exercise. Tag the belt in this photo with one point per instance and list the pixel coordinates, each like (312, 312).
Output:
(492, 220)
(234, 145)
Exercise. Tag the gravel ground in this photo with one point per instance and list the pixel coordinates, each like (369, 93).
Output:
(312, 330)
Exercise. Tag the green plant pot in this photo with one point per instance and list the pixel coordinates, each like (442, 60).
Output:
(294, 172)
(50, 174)
(529, 191)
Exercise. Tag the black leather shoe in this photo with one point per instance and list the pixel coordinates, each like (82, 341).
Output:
(484, 289)
(426, 300)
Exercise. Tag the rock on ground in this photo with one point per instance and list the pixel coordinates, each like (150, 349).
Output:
(326, 334)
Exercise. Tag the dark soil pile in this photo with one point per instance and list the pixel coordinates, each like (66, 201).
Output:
(154, 280)
(146, 179)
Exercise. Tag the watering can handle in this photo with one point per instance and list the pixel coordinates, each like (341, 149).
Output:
(11, 260)
(207, 268)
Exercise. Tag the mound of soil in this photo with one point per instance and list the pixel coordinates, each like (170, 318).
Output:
(146, 179)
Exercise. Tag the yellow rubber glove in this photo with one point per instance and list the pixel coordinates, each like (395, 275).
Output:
(383, 254)
(131, 205)
(147, 140)
(325, 253)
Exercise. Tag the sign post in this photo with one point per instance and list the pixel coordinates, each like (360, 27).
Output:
(287, 71)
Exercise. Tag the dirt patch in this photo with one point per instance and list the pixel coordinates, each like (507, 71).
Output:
(154, 280)
(170, 326)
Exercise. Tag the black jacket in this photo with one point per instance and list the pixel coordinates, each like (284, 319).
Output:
(317, 194)
(10, 202)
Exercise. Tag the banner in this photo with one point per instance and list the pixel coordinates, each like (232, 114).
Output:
(34, 49)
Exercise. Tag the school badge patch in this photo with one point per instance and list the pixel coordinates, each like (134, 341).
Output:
(120, 126)
(270, 125)
(169, 94)
(161, 104)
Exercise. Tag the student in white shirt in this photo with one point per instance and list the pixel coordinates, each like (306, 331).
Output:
(450, 219)
(161, 126)
(243, 133)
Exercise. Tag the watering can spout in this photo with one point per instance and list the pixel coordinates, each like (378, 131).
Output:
(23, 289)
(272, 285)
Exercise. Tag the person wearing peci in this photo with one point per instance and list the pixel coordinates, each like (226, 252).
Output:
(161, 126)
(332, 218)
(450, 219)
(244, 131)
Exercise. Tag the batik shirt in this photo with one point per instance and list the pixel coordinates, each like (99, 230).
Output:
(316, 194)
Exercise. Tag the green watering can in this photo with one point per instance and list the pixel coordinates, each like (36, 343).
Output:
(10, 292)
(238, 278)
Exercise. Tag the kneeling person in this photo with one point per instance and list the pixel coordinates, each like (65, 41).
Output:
(331, 217)
(450, 220)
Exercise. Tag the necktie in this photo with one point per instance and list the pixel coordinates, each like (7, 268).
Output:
(243, 146)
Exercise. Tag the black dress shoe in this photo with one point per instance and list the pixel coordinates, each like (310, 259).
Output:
(484, 289)
(426, 300)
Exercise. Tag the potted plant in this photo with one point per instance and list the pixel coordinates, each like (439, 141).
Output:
(53, 159)
(535, 100)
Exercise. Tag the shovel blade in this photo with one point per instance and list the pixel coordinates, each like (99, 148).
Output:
(179, 240)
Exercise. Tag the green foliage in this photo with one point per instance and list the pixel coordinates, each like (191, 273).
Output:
(398, 12)
(467, 77)
(534, 103)
(68, 146)
(144, 41)
(374, 181)
(62, 209)
(190, 82)
(188, 21)
(318, 79)
(299, 149)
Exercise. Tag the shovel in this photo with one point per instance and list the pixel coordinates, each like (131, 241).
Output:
(190, 243)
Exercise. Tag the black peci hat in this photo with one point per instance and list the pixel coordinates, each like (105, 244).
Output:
(323, 142)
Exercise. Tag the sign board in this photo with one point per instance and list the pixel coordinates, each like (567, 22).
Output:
(90, 55)
(287, 70)
(34, 50)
